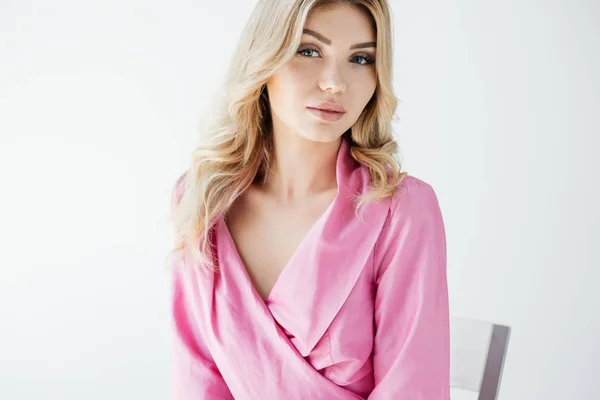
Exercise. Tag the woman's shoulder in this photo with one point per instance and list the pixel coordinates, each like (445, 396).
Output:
(415, 199)
(412, 186)
(414, 218)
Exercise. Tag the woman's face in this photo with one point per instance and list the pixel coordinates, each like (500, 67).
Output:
(333, 69)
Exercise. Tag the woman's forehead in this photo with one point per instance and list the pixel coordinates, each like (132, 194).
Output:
(343, 21)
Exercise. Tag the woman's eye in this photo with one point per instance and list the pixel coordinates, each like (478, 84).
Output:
(363, 60)
(307, 52)
(358, 59)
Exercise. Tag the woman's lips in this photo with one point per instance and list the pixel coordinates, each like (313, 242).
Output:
(330, 116)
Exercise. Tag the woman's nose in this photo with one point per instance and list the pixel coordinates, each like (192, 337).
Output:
(332, 79)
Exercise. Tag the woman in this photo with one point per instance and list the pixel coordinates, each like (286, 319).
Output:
(312, 268)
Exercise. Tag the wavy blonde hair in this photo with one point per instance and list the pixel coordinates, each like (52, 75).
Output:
(237, 148)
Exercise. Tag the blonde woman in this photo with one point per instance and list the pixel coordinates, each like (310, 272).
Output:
(309, 266)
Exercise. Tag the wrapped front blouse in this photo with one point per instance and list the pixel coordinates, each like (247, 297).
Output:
(359, 312)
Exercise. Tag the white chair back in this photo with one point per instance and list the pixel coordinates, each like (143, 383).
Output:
(477, 353)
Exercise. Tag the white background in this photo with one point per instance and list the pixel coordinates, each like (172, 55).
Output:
(99, 108)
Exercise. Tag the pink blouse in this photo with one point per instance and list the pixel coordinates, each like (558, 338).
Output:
(359, 312)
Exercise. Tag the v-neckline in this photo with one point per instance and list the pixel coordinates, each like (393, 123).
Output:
(238, 258)
(340, 169)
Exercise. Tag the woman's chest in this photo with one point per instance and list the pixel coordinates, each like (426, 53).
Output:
(267, 236)
(320, 311)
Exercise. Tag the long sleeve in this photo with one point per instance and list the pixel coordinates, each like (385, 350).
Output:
(411, 351)
(194, 374)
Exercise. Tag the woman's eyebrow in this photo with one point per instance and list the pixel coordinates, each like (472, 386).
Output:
(323, 39)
